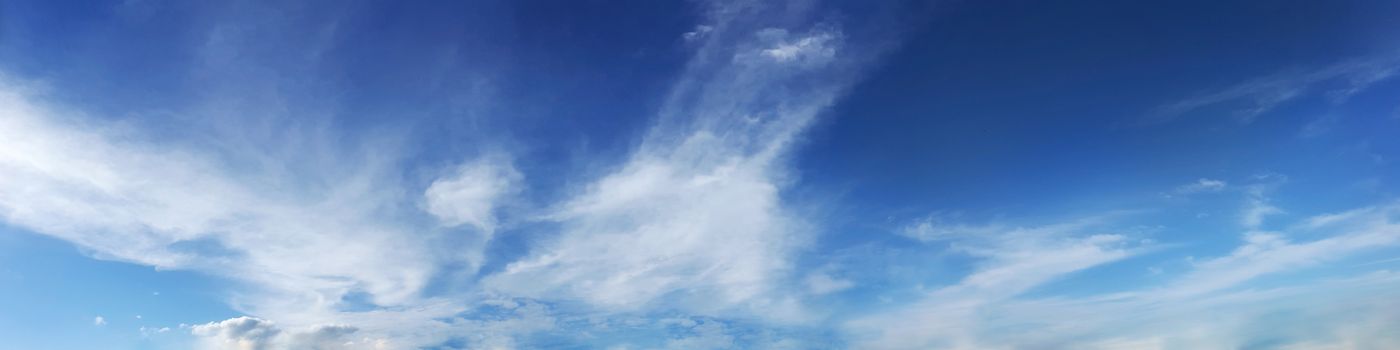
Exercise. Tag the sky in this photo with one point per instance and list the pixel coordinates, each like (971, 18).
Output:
(800, 174)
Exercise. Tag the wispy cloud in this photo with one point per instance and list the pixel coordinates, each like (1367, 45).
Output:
(305, 234)
(319, 223)
(938, 226)
(1202, 185)
(1264, 94)
(1257, 204)
(822, 283)
(979, 311)
(1012, 262)
(694, 220)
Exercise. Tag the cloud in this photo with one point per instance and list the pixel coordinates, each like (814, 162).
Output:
(242, 333)
(1257, 204)
(822, 283)
(816, 48)
(940, 227)
(99, 321)
(1264, 94)
(1012, 262)
(1213, 305)
(693, 219)
(1319, 126)
(305, 230)
(470, 194)
(705, 335)
(149, 331)
(248, 333)
(1266, 253)
(1200, 186)
(324, 226)
(699, 33)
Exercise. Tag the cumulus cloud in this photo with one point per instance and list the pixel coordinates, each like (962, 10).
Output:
(470, 194)
(248, 333)
(242, 333)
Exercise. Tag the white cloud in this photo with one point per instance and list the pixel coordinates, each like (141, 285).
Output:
(706, 334)
(821, 283)
(1257, 203)
(693, 218)
(242, 333)
(1211, 306)
(1013, 261)
(470, 194)
(1201, 186)
(304, 229)
(817, 47)
(1267, 253)
(1267, 93)
(700, 32)
(99, 321)
(248, 333)
(150, 331)
(939, 227)
(306, 216)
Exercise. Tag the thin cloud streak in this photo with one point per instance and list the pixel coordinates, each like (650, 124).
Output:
(975, 312)
(1262, 95)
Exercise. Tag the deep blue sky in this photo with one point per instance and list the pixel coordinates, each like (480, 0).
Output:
(699, 175)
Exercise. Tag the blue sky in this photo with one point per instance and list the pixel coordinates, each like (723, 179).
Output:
(699, 175)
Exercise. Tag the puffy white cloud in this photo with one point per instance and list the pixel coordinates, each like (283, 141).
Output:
(242, 333)
(471, 193)
(248, 333)
(99, 321)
